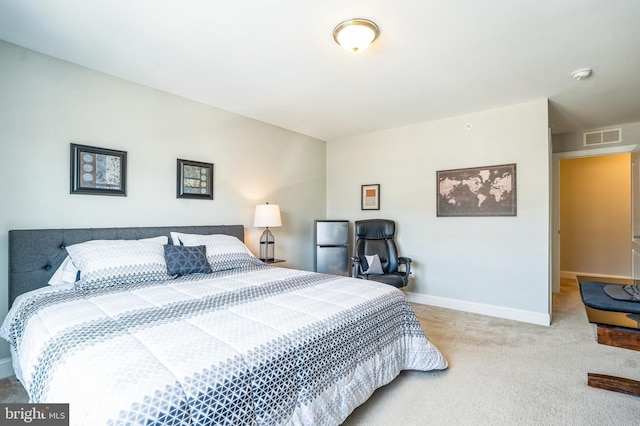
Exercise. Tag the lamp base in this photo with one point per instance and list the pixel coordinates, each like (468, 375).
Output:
(267, 246)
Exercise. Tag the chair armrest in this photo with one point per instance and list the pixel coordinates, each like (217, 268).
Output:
(355, 266)
(406, 261)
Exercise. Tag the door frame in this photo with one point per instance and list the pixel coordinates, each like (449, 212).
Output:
(635, 214)
(555, 204)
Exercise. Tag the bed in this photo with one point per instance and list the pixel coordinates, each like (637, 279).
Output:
(147, 332)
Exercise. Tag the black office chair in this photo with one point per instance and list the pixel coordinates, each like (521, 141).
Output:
(377, 237)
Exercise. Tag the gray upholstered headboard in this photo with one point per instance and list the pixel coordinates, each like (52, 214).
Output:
(35, 254)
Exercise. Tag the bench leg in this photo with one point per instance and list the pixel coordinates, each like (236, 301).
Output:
(613, 383)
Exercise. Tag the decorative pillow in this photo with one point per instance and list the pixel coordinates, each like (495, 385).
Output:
(67, 273)
(223, 251)
(185, 260)
(375, 267)
(109, 263)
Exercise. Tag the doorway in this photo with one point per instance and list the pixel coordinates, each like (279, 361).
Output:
(595, 215)
(556, 229)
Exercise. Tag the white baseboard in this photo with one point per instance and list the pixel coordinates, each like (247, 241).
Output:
(569, 275)
(6, 368)
(573, 275)
(479, 308)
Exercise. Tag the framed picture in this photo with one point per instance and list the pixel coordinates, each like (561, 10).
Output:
(370, 197)
(477, 191)
(195, 180)
(98, 171)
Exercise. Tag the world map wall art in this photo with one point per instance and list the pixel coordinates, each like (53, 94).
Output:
(477, 191)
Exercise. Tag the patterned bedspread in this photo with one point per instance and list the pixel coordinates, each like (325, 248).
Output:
(257, 345)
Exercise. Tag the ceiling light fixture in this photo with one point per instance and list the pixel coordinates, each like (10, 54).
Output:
(355, 35)
(581, 74)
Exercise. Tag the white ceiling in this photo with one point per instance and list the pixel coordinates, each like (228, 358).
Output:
(276, 61)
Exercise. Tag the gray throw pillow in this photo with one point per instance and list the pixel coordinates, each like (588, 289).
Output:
(375, 267)
(185, 260)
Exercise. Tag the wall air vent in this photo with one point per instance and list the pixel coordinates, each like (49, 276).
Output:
(603, 137)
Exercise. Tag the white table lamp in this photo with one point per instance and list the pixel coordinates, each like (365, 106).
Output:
(267, 216)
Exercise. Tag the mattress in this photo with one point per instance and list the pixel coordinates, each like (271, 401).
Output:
(251, 345)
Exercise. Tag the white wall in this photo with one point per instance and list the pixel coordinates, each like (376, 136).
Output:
(491, 265)
(46, 103)
(495, 266)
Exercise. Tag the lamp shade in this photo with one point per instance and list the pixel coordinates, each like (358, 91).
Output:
(267, 216)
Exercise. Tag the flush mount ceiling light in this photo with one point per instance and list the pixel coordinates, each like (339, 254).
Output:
(355, 35)
(581, 74)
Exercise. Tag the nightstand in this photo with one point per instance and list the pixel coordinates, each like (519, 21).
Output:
(270, 261)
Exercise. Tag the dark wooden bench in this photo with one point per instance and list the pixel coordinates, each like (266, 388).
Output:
(617, 324)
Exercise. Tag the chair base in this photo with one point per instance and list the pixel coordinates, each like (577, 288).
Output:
(390, 279)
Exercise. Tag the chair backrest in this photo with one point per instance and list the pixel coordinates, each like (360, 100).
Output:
(376, 236)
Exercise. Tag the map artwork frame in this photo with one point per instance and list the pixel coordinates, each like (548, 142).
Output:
(477, 191)
(194, 180)
(98, 171)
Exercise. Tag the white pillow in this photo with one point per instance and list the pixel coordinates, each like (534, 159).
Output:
(159, 240)
(111, 263)
(223, 251)
(175, 238)
(67, 272)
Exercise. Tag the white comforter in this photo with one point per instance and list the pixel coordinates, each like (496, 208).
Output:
(259, 345)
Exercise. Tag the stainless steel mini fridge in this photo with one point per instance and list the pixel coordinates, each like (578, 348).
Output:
(332, 247)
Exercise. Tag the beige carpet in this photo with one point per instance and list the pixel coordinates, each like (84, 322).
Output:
(504, 372)
(12, 391)
(501, 373)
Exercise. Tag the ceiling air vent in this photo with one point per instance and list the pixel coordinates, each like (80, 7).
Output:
(602, 137)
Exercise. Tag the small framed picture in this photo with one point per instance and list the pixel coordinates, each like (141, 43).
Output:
(98, 171)
(195, 180)
(370, 197)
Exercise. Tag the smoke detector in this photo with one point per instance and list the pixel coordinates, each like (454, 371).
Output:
(581, 74)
